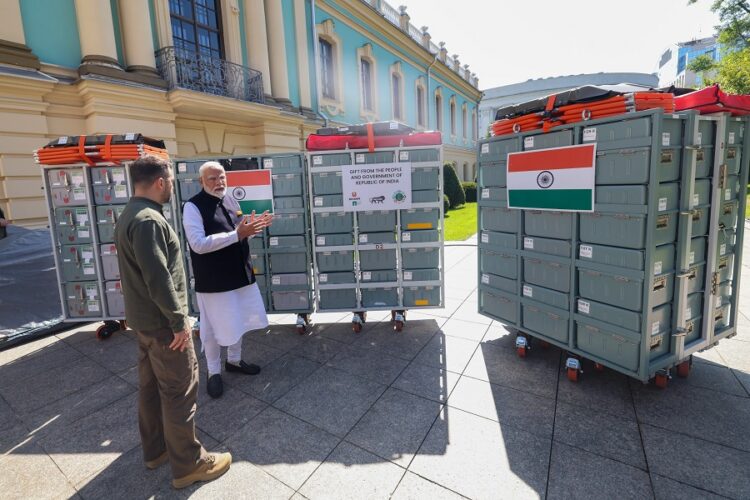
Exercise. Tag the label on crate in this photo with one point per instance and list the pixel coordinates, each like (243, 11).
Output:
(727, 194)
(407, 275)
(83, 233)
(731, 138)
(79, 194)
(359, 158)
(486, 279)
(323, 278)
(62, 140)
(121, 191)
(723, 249)
(698, 139)
(657, 268)
(662, 204)
(688, 313)
(87, 255)
(92, 305)
(692, 258)
(366, 276)
(82, 217)
(182, 167)
(91, 291)
(276, 280)
(665, 137)
(528, 142)
(118, 175)
(696, 199)
(485, 238)
(267, 163)
(718, 302)
(318, 201)
(586, 251)
(485, 194)
(76, 178)
(320, 240)
(317, 160)
(405, 236)
(589, 134)
(528, 291)
(655, 327)
(403, 156)
(485, 148)
(363, 238)
(89, 269)
(583, 306)
(528, 243)
(274, 241)
(130, 136)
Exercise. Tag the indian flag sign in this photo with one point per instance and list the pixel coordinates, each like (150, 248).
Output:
(553, 179)
(252, 190)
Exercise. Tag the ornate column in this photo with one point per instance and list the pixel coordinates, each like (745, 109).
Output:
(136, 35)
(257, 41)
(277, 51)
(97, 38)
(303, 63)
(13, 49)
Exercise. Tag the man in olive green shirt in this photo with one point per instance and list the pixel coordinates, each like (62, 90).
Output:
(154, 288)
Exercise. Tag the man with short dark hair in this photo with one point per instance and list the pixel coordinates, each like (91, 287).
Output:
(155, 292)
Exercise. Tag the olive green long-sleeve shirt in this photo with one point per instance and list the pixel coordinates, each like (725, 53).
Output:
(151, 270)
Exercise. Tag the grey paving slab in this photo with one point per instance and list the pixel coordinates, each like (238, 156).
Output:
(405, 344)
(283, 446)
(256, 352)
(468, 311)
(497, 362)
(58, 414)
(341, 331)
(449, 307)
(331, 399)
(478, 458)
(395, 426)
(48, 386)
(413, 487)
(711, 376)
(116, 354)
(532, 413)
(744, 378)
(710, 415)
(84, 333)
(318, 348)
(30, 473)
(604, 392)
(352, 472)
(219, 418)
(575, 474)
(696, 462)
(91, 444)
(669, 489)
(13, 434)
(17, 370)
(279, 337)
(371, 364)
(464, 329)
(276, 378)
(242, 480)
(735, 353)
(600, 433)
(429, 382)
(130, 376)
(448, 353)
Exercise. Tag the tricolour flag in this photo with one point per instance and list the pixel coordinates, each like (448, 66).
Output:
(252, 190)
(553, 179)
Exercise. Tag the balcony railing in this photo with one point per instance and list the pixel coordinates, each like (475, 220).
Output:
(186, 69)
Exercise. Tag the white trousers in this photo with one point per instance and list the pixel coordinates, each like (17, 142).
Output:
(213, 354)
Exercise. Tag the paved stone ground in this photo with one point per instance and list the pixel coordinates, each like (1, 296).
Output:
(443, 410)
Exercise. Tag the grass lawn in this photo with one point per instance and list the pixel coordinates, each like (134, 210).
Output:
(461, 222)
(747, 208)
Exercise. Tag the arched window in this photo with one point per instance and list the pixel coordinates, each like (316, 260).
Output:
(368, 102)
(464, 122)
(331, 76)
(421, 104)
(453, 115)
(397, 92)
(327, 69)
(438, 110)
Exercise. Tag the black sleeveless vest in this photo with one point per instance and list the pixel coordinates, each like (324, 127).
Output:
(229, 268)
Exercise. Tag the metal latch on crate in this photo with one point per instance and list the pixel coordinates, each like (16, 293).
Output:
(714, 283)
(723, 175)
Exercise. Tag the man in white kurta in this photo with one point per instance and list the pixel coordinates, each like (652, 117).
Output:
(229, 300)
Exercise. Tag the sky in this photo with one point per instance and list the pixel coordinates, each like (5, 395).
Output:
(506, 42)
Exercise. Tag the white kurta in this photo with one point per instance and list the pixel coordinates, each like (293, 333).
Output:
(225, 316)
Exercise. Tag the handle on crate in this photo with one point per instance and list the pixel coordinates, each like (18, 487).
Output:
(82, 151)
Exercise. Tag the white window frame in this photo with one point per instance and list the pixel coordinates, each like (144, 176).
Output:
(400, 93)
(453, 118)
(438, 109)
(332, 106)
(365, 53)
(420, 85)
(464, 122)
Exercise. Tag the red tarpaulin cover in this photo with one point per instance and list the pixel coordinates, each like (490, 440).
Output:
(713, 100)
(328, 142)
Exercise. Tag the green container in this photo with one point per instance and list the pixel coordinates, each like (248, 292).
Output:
(286, 184)
(77, 263)
(375, 260)
(547, 245)
(421, 236)
(496, 149)
(421, 296)
(287, 225)
(383, 276)
(73, 226)
(326, 183)
(82, 300)
(728, 214)
(333, 222)
(497, 307)
(420, 275)
(329, 262)
(697, 250)
(287, 202)
(337, 278)
(696, 278)
(296, 301)
(282, 163)
(330, 159)
(701, 192)
(328, 200)
(420, 218)
(497, 263)
(374, 157)
(334, 240)
(258, 260)
(546, 296)
(700, 221)
(296, 262)
(425, 196)
(726, 242)
(546, 274)
(419, 155)
(726, 267)
(616, 347)
(375, 238)
(626, 230)
(420, 258)
(285, 242)
(498, 282)
(337, 299)
(498, 241)
(704, 161)
(379, 297)
(493, 174)
(425, 178)
(498, 219)
(376, 221)
(548, 140)
(553, 325)
(621, 291)
(548, 224)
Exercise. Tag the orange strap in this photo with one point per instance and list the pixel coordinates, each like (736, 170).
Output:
(82, 150)
(370, 138)
(107, 153)
(550, 103)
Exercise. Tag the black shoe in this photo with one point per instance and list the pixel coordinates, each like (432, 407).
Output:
(215, 386)
(247, 369)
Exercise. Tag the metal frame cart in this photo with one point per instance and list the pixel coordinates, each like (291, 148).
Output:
(377, 260)
(653, 274)
(83, 203)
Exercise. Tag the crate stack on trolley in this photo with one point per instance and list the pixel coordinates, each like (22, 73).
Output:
(87, 184)
(647, 278)
(281, 255)
(384, 260)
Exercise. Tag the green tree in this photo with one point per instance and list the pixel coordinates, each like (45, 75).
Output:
(452, 186)
(734, 19)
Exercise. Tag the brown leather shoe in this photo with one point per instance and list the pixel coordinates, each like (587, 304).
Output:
(213, 466)
(155, 463)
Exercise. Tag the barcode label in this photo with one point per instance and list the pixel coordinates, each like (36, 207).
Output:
(407, 275)
(528, 243)
(665, 137)
(320, 240)
(366, 276)
(273, 241)
(318, 201)
(583, 306)
(485, 148)
(528, 142)
(657, 267)
(655, 328)
(528, 291)
(662, 204)
(485, 238)
(403, 155)
(363, 238)
(276, 280)
(317, 160)
(486, 279)
(323, 278)
(267, 162)
(589, 134)
(405, 236)
(586, 251)
(359, 158)
(485, 193)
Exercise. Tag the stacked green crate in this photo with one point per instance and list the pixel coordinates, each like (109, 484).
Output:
(626, 285)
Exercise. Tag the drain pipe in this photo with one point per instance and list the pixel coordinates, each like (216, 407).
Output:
(316, 57)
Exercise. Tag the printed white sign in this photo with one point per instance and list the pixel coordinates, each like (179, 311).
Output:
(665, 139)
(323, 278)
(83, 233)
(485, 238)
(528, 142)
(378, 186)
(485, 148)
(79, 194)
(586, 251)
(662, 204)
(317, 160)
(528, 291)
(121, 191)
(93, 306)
(267, 163)
(528, 243)
(657, 268)
(654, 328)
(182, 167)
(692, 258)
(583, 306)
(366, 276)
(486, 279)
(276, 280)
(405, 236)
(118, 175)
(403, 156)
(731, 137)
(723, 249)
(698, 139)
(407, 275)
(688, 313)
(359, 158)
(727, 194)
(485, 194)
(273, 241)
(320, 240)
(696, 199)
(589, 134)
(363, 238)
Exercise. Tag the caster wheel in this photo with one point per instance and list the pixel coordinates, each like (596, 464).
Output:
(398, 326)
(544, 344)
(521, 352)
(660, 380)
(599, 367)
(357, 327)
(107, 329)
(572, 374)
(301, 330)
(123, 325)
(683, 369)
